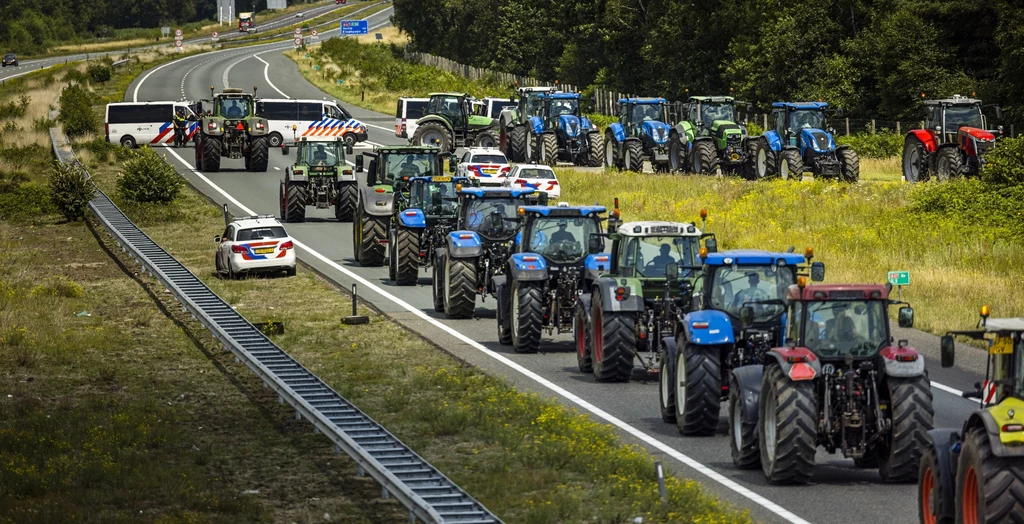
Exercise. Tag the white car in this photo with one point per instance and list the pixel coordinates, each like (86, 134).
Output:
(486, 164)
(254, 244)
(536, 176)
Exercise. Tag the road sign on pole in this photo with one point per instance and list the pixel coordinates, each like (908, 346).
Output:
(216, 36)
(313, 33)
(177, 32)
(899, 278)
(165, 31)
(354, 27)
(298, 42)
(177, 44)
(298, 31)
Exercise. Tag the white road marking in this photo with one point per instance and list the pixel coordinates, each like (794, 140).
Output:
(600, 413)
(277, 168)
(227, 71)
(947, 389)
(266, 73)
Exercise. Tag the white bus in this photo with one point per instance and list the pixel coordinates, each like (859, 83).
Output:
(310, 118)
(146, 123)
(409, 110)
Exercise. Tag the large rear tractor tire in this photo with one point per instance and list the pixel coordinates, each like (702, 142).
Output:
(345, 205)
(989, 488)
(433, 134)
(915, 160)
(791, 166)
(749, 169)
(766, 162)
(549, 149)
(581, 334)
(504, 319)
(517, 143)
(742, 434)
(460, 287)
(634, 156)
(211, 154)
(407, 263)
(676, 154)
(526, 313)
(295, 204)
(373, 229)
(596, 151)
(929, 489)
(910, 402)
(613, 339)
(486, 138)
(948, 163)
(787, 434)
(698, 388)
(611, 152)
(850, 168)
(666, 393)
(705, 159)
(259, 154)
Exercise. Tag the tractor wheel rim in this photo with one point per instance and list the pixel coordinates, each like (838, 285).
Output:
(515, 314)
(663, 383)
(673, 155)
(970, 503)
(609, 154)
(762, 162)
(486, 142)
(928, 497)
(913, 165)
(680, 383)
(432, 138)
(784, 169)
(696, 162)
(274, 141)
(737, 423)
(770, 422)
(447, 282)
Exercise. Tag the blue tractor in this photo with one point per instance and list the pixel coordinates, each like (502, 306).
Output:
(711, 341)
(474, 256)
(558, 253)
(421, 220)
(798, 141)
(641, 133)
(550, 127)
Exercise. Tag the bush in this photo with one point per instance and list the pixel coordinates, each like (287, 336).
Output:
(70, 190)
(76, 111)
(12, 109)
(873, 145)
(145, 177)
(997, 209)
(24, 201)
(1004, 164)
(99, 72)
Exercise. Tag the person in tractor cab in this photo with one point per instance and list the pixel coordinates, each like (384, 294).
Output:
(409, 168)
(751, 294)
(320, 155)
(562, 235)
(661, 261)
(234, 110)
(562, 107)
(645, 112)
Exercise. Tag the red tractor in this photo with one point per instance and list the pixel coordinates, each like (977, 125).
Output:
(953, 142)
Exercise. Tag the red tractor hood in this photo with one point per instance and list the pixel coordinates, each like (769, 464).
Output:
(978, 134)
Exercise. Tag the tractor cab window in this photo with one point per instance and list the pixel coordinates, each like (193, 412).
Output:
(434, 198)
(562, 240)
(806, 119)
(731, 289)
(933, 117)
(233, 107)
(646, 112)
(399, 166)
(779, 119)
(694, 112)
(624, 114)
(649, 256)
(534, 104)
(839, 328)
(967, 116)
(711, 111)
(492, 217)
(561, 107)
(794, 322)
(322, 154)
(1018, 369)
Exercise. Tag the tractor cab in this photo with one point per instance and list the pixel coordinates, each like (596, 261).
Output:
(644, 116)
(709, 112)
(450, 121)
(319, 156)
(531, 102)
(655, 252)
(491, 212)
(563, 235)
(802, 124)
(392, 167)
(946, 117)
(435, 196)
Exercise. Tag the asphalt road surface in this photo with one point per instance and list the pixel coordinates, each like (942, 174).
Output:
(839, 492)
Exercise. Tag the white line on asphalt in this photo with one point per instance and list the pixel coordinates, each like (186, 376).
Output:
(948, 389)
(600, 413)
(266, 73)
(380, 127)
(227, 71)
(277, 168)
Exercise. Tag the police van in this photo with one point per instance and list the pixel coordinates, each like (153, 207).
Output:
(310, 118)
(408, 112)
(146, 123)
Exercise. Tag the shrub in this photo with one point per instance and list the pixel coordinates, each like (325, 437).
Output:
(994, 208)
(99, 72)
(24, 201)
(14, 109)
(58, 286)
(145, 177)
(873, 145)
(1004, 164)
(76, 111)
(70, 190)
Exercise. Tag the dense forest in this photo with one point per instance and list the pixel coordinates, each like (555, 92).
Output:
(873, 57)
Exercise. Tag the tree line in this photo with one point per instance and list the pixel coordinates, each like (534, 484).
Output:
(874, 58)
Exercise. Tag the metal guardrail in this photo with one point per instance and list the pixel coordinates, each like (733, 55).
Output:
(429, 495)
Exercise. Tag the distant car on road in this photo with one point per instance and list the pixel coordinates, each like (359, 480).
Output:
(254, 244)
(298, 15)
(486, 164)
(10, 59)
(534, 176)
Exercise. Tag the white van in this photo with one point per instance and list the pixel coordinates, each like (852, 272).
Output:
(310, 117)
(409, 110)
(493, 106)
(134, 123)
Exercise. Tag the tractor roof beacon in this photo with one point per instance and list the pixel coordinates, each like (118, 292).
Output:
(558, 253)
(473, 258)
(449, 122)
(629, 310)
(709, 139)
(959, 469)
(801, 141)
(230, 128)
(839, 381)
(953, 142)
(422, 218)
(640, 134)
(319, 177)
(388, 172)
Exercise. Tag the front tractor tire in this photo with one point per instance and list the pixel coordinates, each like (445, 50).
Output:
(527, 316)
(910, 402)
(433, 134)
(915, 160)
(611, 152)
(634, 156)
(698, 385)
(676, 154)
(989, 488)
(791, 166)
(850, 165)
(766, 163)
(370, 231)
(705, 158)
(596, 149)
(486, 139)
(345, 205)
(517, 144)
(548, 149)
(460, 287)
(581, 334)
(929, 489)
(742, 434)
(259, 154)
(295, 202)
(613, 340)
(406, 256)
(948, 163)
(786, 439)
(749, 169)
(666, 393)
(210, 156)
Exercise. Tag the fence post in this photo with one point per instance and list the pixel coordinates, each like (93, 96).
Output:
(847, 126)
(872, 126)
(898, 131)
(765, 119)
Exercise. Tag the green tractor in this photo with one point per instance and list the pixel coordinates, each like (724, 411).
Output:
(976, 474)
(230, 128)
(389, 171)
(449, 122)
(319, 177)
(709, 139)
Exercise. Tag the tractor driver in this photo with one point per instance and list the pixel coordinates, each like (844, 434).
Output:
(320, 155)
(408, 168)
(751, 294)
(561, 108)
(661, 261)
(562, 235)
(645, 112)
(234, 110)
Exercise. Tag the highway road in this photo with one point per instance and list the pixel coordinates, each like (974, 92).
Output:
(839, 492)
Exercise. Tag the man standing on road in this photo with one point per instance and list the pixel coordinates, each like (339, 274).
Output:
(179, 128)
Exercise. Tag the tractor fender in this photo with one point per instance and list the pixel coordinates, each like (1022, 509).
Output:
(527, 267)
(700, 139)
(536, 125)
(586, 125)
(595, 265)
(291, 176)
(618, 132)
(796, 371)
(685, 131)
(708, 328)
(218, 130)
(376, 204)
(502, 297)
(464, 244)
(898, 362)
(670, 356)
(507, 118)
(926, 137)
(606, 287)
(413, 218)
(519, 238)
(433, 118)
(1000, 448)
(943, 441)
(774, 140)
(749, 380)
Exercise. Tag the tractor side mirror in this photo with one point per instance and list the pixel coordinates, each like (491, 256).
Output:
(905, 317)
(817, 271)
(746, 316)
(594, 244)
(217, 239)
(542, 198)
(712, 245)
(947, 346)
(359, 163)
(371, 173)
(284, 150)
(672, 271)
(349, 149)
(888, 288)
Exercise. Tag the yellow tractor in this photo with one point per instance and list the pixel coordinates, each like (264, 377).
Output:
(976, 475)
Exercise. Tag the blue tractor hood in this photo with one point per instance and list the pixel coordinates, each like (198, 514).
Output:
(571, 125)
(658, 131)
(818, 140)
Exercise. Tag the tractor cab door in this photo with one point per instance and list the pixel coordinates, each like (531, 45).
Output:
(693, 115)
(780, 123)
(624, 117)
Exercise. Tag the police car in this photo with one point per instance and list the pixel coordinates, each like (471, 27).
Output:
(534, 176)
(486, 164)
(254, 244)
